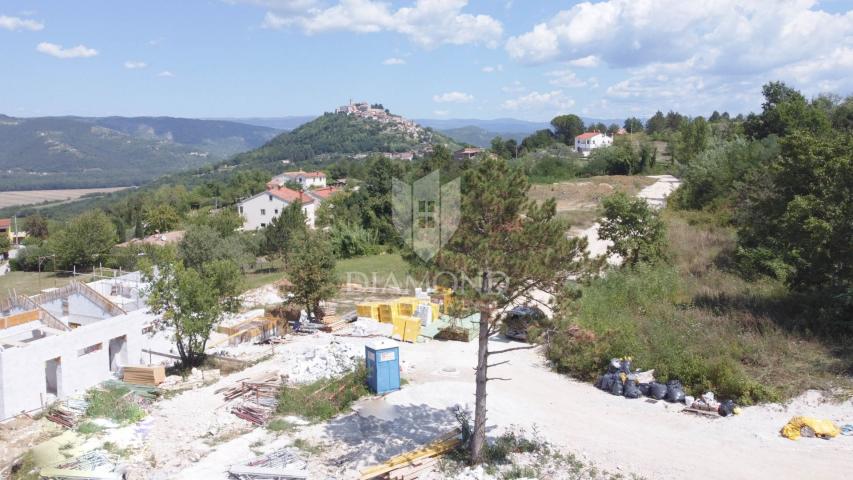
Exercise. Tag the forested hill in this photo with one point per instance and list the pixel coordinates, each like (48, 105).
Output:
(76, 152)
(337, 134)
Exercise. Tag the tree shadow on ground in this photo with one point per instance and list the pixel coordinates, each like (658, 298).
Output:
(374, 440)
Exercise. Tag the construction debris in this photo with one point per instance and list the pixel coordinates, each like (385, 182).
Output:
(411, 465)
(196, 378)
(144, 375)
(95, 465)
(68, 412)
(285, 464)
(260, 398)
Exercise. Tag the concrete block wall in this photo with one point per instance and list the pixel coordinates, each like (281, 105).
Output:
(23, 383)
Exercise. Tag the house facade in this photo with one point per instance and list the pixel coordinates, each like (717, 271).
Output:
(259, 210)
(589, 141)
(305, 179)
(467, 153)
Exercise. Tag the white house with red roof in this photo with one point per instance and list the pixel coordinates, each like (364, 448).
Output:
(589, 141)
(259, 210)
(305, 179)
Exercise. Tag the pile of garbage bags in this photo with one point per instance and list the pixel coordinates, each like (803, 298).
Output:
(622, 381)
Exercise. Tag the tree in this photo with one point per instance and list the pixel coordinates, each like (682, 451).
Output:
(161, 218)
(188, 303)
(785, 110)
(5, 244)
(281, 233)
(311, 270)
(202, 244)
(612, 129)
(84, 241)
(637, 232)
(36, 226)
(693, 139)
(567, 127)
(539, 139)
(842, 116)
(633, 125)
(597, 127)
(499, 148)
(508, 246)
(656, 124)
(793, 217)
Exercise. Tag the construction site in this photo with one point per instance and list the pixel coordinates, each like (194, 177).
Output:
(89, 390)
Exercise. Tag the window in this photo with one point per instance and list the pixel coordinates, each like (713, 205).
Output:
(276, 211)
(263, 225)
(90, 349)
(241, 210)
(270, 197)
(263, 211)
(426, 214)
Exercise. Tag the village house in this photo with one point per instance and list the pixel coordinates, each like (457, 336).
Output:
(305, 179)
(467, 153)
(8, 228)
(259, 210)
(589, 141)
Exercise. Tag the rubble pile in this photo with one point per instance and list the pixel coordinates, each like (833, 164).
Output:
(322, 361)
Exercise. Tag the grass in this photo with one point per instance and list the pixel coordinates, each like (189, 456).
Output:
(89, 428)
(323, 399)
(381, 270)
(115, 403)
(31, 283)
(280, 425)
(696, 320)
(308, 447)
(25, 468)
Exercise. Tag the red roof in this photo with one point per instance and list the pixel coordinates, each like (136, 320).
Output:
(289, 195)
(305, 174)
(5, 222)
(324, 192)
(587, 135)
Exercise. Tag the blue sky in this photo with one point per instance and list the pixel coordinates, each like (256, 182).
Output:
(526, 59)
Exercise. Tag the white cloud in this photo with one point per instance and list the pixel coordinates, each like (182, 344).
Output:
(58, 51)
(297, 5)
(165, 73)
(453, 97)
(428, 23)
(441, 113)
(491, 69)
(588, 61)
(514, 87)
(565, 78)
(696, 57)
(131, 65)
(393, 61)
(730, 36)
(554, 101)
(16, 23)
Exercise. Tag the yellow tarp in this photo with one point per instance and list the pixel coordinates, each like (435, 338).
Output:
(822, 428)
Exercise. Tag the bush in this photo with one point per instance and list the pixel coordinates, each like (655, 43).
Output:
(351, 240)
(115, 403)
(324, 399)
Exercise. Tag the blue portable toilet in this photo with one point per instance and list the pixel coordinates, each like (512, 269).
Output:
(383, 368)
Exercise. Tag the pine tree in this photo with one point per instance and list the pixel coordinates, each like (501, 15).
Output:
(511, 247)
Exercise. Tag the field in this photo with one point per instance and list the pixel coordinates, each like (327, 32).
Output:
(31, 283)
(32, 197)
(578, 201)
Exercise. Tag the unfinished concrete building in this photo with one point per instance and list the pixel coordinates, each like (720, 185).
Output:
(67, 340)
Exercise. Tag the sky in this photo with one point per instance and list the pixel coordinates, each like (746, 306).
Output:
(526, 59)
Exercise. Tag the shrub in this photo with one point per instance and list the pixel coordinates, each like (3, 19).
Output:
(324, 398)
(115, 403)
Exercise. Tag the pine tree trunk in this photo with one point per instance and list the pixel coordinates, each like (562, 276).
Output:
(478, 438)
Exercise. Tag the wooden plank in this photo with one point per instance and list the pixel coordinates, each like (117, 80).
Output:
(442, 444)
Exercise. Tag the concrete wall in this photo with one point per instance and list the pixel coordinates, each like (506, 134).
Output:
(22, 370)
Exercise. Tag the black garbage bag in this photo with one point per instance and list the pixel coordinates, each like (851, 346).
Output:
(631, 389)
(644, 389)
(674, 391)
(657, 390)
(617, 388)
(727, 408)
(605, 382)
(625, 366)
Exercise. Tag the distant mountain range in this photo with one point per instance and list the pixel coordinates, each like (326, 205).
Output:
(82, 152)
